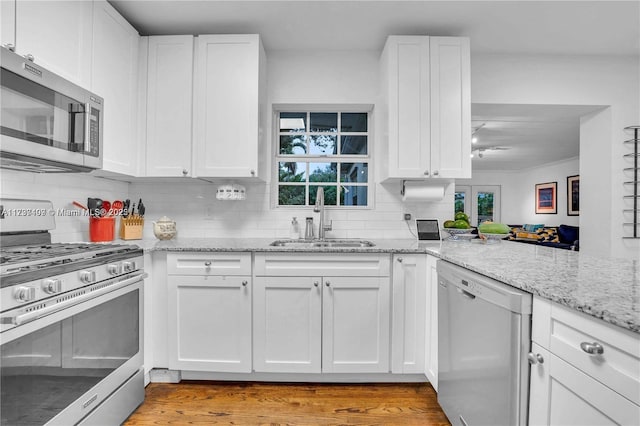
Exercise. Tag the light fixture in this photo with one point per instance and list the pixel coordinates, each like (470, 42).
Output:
(474, 139)
(474, 131)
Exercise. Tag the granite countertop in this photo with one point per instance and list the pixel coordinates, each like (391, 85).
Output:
(605, 288)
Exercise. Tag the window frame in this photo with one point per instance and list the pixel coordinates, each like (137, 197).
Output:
(277, 158)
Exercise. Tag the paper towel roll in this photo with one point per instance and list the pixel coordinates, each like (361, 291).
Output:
(421, 191)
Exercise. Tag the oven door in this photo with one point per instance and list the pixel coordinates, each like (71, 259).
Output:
(57, 368)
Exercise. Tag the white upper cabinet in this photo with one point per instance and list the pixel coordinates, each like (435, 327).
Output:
(426, 107)
(115, 78)
(8, 23)
(58, 34)
(169, 106)
(229, 111)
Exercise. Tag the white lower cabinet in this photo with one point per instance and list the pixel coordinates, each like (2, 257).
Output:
(209, 309)
(334, 319)
(431, 328)
(586, 371)
(409, 314)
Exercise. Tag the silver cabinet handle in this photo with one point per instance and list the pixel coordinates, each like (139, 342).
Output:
(253, 172)
(244, 283)
(594, 348)
(316, 283)
(426, 172)
(327, 283)
(29, 57)
(400, 259)
(185, 172)
(535, 358)
(207, 263)
(435, 173)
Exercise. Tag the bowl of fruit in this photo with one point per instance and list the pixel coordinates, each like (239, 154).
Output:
(492, 232)
(458, 228)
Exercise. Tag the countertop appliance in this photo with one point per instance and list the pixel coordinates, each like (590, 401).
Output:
(70, 324)
(484, 329)
(47, 123)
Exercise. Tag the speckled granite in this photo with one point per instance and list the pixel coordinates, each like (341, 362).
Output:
(608, 289)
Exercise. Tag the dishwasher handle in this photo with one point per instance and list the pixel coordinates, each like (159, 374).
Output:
(466, 294)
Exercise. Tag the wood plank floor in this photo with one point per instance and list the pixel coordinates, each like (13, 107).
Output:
(249, 403)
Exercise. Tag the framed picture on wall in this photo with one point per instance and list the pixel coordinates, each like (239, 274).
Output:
(573, 195)
(546, 196)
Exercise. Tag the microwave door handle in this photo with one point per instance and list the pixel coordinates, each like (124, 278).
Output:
(39, 313)
(87, 127)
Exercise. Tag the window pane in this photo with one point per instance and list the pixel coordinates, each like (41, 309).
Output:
(351, 145)
(293, 121)
(324, 122)
(323, 145)
(353, 195)
(329, 195)
(323, 172)
(354, 172)
(292, 172)
(485, 206)
(293, 145)
(289, 195)
(459, 202)
(353, 122)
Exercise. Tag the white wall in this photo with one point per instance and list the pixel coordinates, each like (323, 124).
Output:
(62, 189)
(572, 80)
(517, 191)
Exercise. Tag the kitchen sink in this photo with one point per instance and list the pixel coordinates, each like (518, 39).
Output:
(323, 243)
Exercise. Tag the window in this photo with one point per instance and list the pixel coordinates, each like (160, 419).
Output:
(327, 149)
(480, 203)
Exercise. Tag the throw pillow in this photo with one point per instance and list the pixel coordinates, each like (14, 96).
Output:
(548, 235)
(532, 227)
(568, 234)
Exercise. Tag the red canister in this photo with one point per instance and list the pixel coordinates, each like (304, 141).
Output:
(102, 228)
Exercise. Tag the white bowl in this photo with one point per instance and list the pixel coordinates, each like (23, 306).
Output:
(456, 234)
(492, 238)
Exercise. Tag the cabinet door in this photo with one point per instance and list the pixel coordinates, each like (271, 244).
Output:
(115, 78)
(406, 73)
(169, 106)
(210, 323)
(8, 23)
(287, 324)
(59, 35)
(355, 329)
(450, 107)
(560, 394)
(431, 328)
(409, 296)
(226, 117)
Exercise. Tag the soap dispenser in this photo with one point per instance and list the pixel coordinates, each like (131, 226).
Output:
(294, 230)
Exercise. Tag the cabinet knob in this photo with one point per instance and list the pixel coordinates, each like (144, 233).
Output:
(244, 283)
(29, 57)
(327, 283)
(185, 172)
(207, 263)
(426, 172)
(594, 348)
(535, 358)
(400, 259)
(9, 46)
(316, 283)
(436, 173)
(253, 172)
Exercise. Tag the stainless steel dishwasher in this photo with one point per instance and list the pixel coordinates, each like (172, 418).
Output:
(484, 329)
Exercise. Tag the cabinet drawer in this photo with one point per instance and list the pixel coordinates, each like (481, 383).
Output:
(208, 263)
(324, 265)
(618, 366)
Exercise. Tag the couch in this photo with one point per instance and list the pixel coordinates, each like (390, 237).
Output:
(564, 236)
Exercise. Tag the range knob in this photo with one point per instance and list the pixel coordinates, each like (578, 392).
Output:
(52, 286)
(87, 277)
(25, 294)
(129, 266)
(114, 268)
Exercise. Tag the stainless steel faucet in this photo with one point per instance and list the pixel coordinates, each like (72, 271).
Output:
(319, 208)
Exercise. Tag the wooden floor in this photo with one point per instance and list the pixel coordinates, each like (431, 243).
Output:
(248, 403)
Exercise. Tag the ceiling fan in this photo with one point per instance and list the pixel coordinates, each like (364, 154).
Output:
(482, 150)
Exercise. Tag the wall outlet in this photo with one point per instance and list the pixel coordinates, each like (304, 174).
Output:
(407, 216)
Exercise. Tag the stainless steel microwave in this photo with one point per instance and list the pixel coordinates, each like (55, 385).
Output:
(47, 123)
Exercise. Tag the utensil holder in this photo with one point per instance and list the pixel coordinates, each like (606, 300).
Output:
(131, 227)
(101, 228)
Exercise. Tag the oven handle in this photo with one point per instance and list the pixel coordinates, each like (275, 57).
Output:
(37, 314)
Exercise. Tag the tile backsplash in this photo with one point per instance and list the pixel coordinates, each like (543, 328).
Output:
(193, 205)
